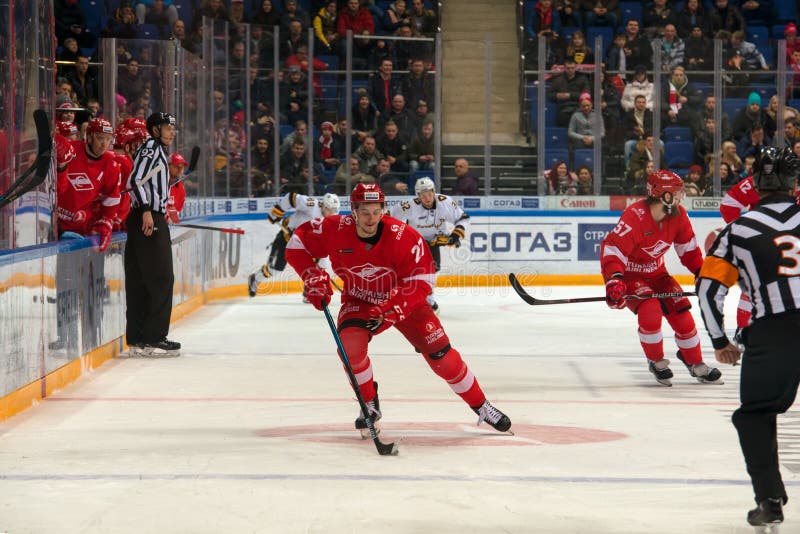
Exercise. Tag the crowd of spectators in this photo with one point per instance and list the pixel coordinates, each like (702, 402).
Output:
(684, 33)
(392, 109)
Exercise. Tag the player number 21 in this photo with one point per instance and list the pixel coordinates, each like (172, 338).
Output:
(790, 253)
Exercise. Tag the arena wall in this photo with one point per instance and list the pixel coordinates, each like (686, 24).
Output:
(64, 304)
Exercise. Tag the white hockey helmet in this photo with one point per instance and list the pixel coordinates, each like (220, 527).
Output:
(424, 184)
(330, 202)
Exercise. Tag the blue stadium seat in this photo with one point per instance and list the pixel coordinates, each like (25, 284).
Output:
(184, 8)
(758, 35)
(676, 133)
(555, 137)
(605, 32)
(550, 112)
(704, 87)
(785, 11)
(777, 31)
(583, 156)
(732, 106)
(567, 31)
(794, 103)
(332, 61)
(679, 154)
(768, 51)
(95, 11)
(552, 155)
(285, 129)
(148, 31)
(630, 10)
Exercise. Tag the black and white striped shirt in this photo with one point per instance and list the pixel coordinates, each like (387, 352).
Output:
(761, 251)
(149, 180)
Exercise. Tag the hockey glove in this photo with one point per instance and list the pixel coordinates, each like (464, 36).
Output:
(439, 241)
(387, 314)
(276, 214)
(102, 227)
(615, 293)
(317, 287)
(454, 240)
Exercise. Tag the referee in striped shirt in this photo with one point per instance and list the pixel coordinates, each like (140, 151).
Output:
(761, 251)
(148, 252)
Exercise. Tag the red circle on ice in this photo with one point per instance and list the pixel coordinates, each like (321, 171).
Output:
(448, 434)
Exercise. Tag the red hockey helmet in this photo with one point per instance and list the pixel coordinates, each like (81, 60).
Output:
(122, 137)
(98, 125)
(134, 123)
(366, 193)
(665, 185)
(177, 159)
(67, 128)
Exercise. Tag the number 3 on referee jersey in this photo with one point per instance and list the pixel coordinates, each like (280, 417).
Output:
(790, 253)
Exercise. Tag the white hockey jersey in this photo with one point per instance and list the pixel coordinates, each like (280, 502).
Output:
(305, 209)
(444, 216)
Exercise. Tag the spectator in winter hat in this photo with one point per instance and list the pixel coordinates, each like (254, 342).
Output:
(792, 42)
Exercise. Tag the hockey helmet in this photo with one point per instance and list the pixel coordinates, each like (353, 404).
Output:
(665, 185)
(366, 193)
(330, 202)
(67, 128)
(134, 123)
(775, 169)
(101, 126)
(159, 119)
(177, 159)
(122, 137)
(424, 184)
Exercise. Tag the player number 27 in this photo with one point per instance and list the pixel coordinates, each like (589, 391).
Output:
(622, 228)
(418, 250)
(790, 253)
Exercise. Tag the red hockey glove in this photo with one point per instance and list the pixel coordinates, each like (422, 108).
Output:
(65, 152)
(317, 287)
(615, 293)
(388, 314)
(103, 228)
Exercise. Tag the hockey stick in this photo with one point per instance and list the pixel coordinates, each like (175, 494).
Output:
(384, 449)
(537, 302)
(40, 168)
(214, 228)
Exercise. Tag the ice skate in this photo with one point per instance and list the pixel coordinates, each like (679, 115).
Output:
(375, 411)
(767, 517)
(163, 349)
(435, 307)
(489, 414)
(702, 372)
(252, 285)
(662, 372)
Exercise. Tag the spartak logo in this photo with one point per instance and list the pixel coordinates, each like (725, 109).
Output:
(370, 272)
(430, 327)
(657, 250)
(80, 182)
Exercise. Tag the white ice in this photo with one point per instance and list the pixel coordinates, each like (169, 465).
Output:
(250, 430)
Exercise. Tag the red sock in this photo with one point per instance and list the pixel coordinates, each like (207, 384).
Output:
(355, 342)
(455, 371)
(649, 315)
(686, 336)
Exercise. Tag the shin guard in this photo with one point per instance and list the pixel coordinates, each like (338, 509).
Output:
(355, 342)
(686, 336)
(448, 364)
(649, 315)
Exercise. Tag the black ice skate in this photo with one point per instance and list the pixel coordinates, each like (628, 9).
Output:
(163, 349)
(375, 412)
(767, 517)
(435, 307)
(702, 372)
(662, 372)
(252, 285)
(497, 419)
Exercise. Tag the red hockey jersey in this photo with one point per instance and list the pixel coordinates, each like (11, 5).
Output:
(87, 180)
(125, 167)
(399, 263)
(177, 197)
(741, 197)
(638, 243)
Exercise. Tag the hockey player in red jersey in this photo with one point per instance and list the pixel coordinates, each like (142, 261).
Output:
(126, 142)
(632, 262)
(89, 186)
(177, 192)
(388, 273)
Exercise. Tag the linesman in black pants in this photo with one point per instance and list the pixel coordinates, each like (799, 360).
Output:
(148, 252)
(761, 251)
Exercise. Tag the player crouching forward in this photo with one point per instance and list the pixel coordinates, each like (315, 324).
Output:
(632, 261)
(305, 209)
(388, 273)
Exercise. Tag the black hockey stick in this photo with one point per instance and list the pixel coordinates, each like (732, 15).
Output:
(384, 449)
(538, 302)
(40, 167)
